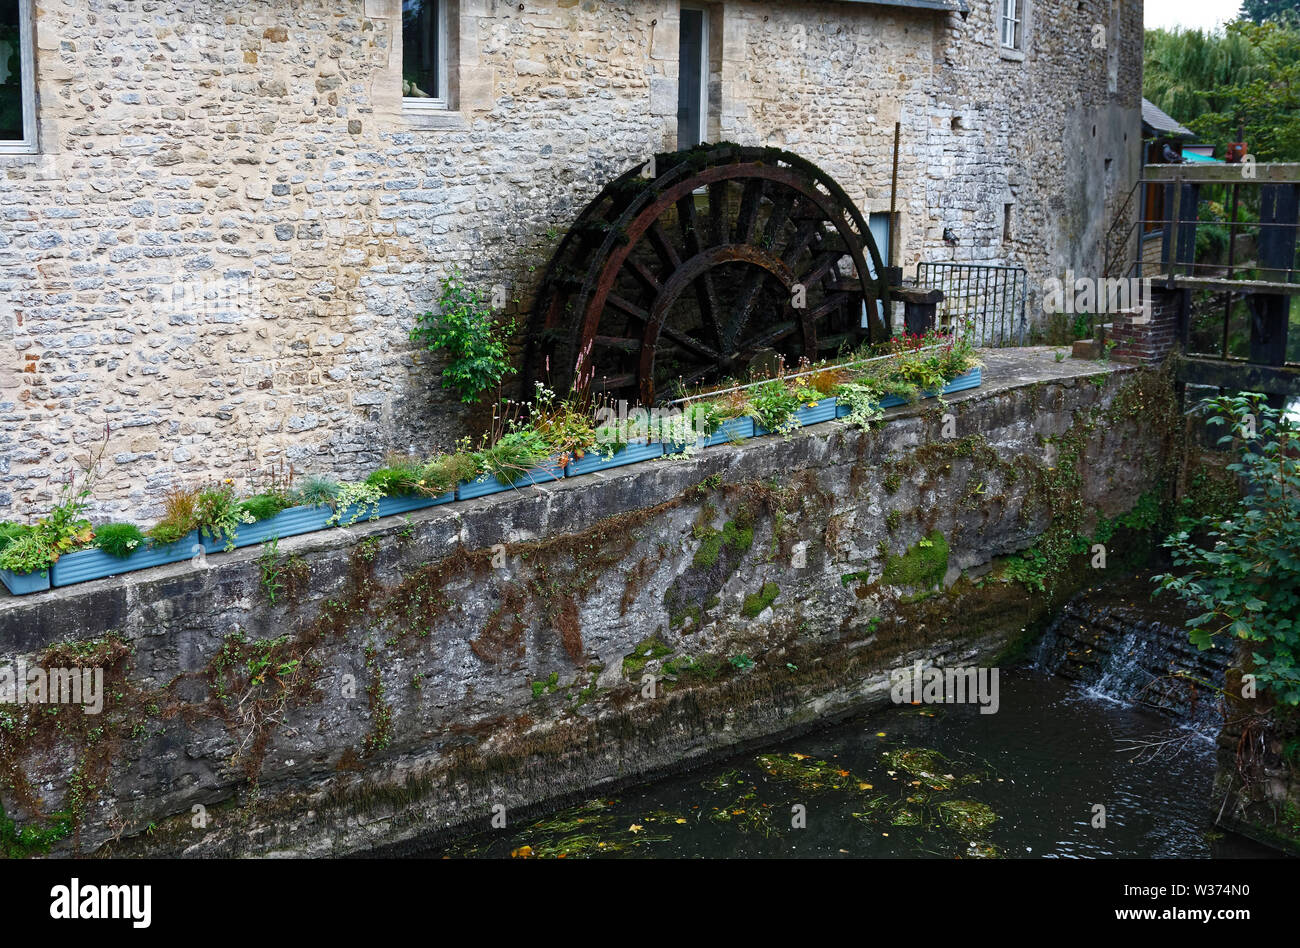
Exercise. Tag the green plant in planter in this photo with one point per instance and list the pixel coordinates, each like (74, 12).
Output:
(29, 553)
(863, 401)
(10, 531)
(180, 516)
(774, 405)
(119, 539)
(219, 513)
(318, 492)
(399, 478)
(266, 505)
(444, 472)
(478, 354)
(514, 454)
(362, 496)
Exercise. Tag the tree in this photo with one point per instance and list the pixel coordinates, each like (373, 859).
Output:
(1261, 10)
(1247, 77)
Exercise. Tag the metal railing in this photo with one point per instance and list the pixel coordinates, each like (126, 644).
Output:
(982, 301)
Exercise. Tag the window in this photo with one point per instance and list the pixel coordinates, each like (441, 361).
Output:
(424, 54)
(1013, 15)
(693, 78)
(17, 78)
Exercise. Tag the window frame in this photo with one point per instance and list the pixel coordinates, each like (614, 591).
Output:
(442, 102)
(703, 11)
(27, 145)
(1018, 20)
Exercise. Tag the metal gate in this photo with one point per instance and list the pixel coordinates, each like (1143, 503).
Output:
(983, 302)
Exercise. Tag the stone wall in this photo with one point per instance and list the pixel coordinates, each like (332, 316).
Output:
(221, 247)
(380, 683)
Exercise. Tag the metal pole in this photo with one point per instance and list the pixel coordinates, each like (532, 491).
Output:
(893, 201)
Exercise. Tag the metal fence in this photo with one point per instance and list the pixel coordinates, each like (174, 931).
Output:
(986, 303)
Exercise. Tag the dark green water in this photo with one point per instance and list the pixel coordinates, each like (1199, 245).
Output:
(1021, 783)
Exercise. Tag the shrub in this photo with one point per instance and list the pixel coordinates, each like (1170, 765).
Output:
(118, 539)
(356, 500)
(180, 516)
(477, 349)
(1246, 581)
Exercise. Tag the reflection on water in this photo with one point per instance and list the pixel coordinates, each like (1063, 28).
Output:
(941, 781)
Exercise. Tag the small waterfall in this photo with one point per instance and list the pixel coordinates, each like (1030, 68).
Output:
(1123, 648)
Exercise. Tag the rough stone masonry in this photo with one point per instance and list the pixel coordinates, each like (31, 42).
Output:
(376, 684)
(232, 221)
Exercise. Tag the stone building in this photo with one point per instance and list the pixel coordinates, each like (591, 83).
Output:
(218, 220)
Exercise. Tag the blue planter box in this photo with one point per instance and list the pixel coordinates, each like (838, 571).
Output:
(972, 378)
(387, 507)
(824, 410)
(734, 429)
(287, 523)
(20, 584)
(468, 490)
(593, 460)
(85, 565)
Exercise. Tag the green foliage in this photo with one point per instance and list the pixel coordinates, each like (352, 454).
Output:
(514, 454)
(1214, 82)
(218, 513)
(180, 516)
(18, 843)
(464, 328)
(923, 566)
(773, 404)
(1030, 568)
(356, 500)
(1261, 10)
(29, 553)
(398, 479)
(755, 603)
(10, 531)
(268, 563)
(119, 539)
(318, 491)
(266, 505)
(444, 472)
(1246, 579)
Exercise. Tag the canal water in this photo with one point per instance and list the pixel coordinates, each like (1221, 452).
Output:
(939, 781)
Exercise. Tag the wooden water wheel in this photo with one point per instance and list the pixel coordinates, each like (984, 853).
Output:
(703, 265)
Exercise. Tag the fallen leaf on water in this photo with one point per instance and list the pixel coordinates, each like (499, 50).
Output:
(523, 852)
(864, 786)
(680, 820)
(635, 828)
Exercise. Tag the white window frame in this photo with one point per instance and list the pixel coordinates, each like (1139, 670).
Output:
(703, 130)
(27, 76)
(1013, 17)
(441, 103)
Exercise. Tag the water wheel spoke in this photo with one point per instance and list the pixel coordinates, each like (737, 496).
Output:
(664, 247)
(719, 226)
(618, 342)
(772, 335)
(706, 293)
(614, 383)
(750, 202)
(645, 276)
